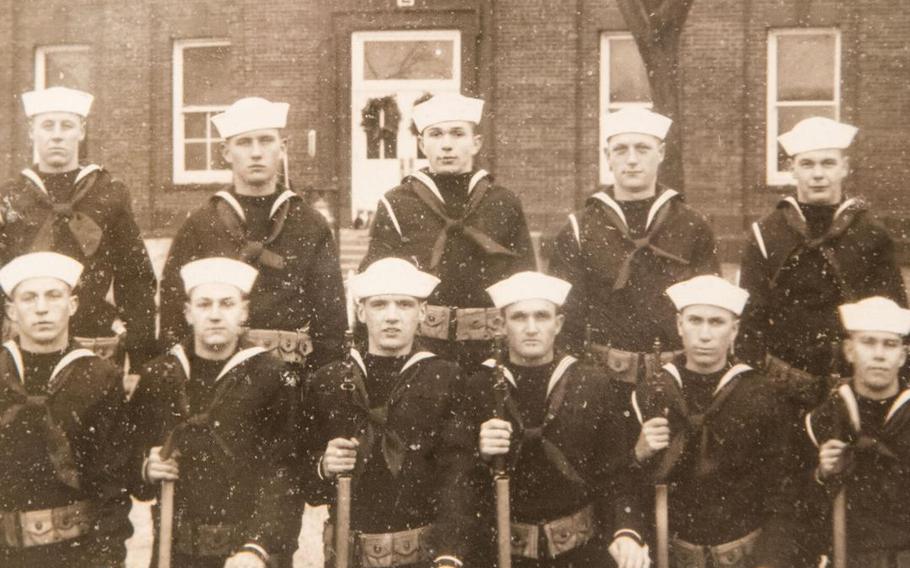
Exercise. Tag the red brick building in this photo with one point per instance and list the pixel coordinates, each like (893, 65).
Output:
(549, 70)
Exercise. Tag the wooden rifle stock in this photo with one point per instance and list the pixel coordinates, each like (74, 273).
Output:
(166, 507)
(661, 496)
(839, 522)
(500, 473)
(343, 481)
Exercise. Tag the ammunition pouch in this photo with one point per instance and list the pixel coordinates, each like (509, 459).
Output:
(461, 324)
(734, 554)
(562, 535)
(24, 529)
(289, 346)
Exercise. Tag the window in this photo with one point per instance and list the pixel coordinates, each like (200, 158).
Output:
(65, 66)
(623, 83)
(202, 88)
(803, 81)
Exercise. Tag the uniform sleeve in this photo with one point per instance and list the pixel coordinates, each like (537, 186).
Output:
(315, 436)
(622, 476)
(456, 524)
(750, 343)
(151, 415)
(173, 324)
(384, 237)
(275, 522)
(704, 253)
(329, 317)
(134, 282)
(885, 277)
(567, 263)
(521, 243)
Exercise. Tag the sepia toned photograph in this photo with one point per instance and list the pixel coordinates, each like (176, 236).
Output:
(455, 284)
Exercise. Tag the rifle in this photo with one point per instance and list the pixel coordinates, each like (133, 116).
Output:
(661, 499)
(500, 473)
(839, 510)
(166, 503)
(343, 481)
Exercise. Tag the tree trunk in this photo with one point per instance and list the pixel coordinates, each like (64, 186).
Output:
(657, 26)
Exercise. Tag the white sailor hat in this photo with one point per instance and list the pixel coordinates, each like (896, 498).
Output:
(875, 314)
(638, 120)
(708, 290)
(529, 285)
(251, 113)
(392, 276)
(445, 107)
(57, 99)
(218, 270)
(39, 265)
(817, 133)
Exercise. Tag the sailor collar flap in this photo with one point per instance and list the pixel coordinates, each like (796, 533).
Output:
(426, 180)
(237, 359)
(412, 360)
(671, 369)
(71, 356)
(846, 398)
(33, 176)
(662, 199)
(557, 375)
(231, 200)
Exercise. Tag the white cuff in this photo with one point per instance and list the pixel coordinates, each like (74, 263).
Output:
(628, 532)
(257, 548)
(448, 560)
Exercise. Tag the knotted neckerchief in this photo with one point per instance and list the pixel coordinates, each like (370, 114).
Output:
(660, 390)
(843, 218)
(253, 252)
(537, 434)
(84, 229)
(845, 424)
(625, 269)
(456, 226)
(18, 399)
(374, 420)
(203, 421)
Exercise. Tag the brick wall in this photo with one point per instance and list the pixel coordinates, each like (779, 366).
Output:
(536, 61)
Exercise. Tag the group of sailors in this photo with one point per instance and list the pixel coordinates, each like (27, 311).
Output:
(627, 407)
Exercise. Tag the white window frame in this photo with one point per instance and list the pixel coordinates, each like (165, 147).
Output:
(41, 53)
(606, 105)
(774, 176)
(182, 176)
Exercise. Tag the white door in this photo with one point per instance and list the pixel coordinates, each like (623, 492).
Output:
(389, 71)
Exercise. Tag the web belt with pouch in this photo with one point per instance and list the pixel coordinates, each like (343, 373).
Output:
(560, 535)
(200, 539)
(385, 550)
(461, 324)
(289, 346)
(24, 529)
(802, 386)
(629, 366)
(734, 554)
(104, 347)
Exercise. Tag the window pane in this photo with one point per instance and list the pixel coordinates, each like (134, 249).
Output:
(218, 162)
(194, 156)
(194, 124)
(206, 75)
(384, 60)
(628, 77)
(787, 117)
(68, 69)
(805, 67)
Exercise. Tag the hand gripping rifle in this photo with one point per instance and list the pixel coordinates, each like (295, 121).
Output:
(661, 499)
(166, 504)
(343, 481)
(500, 473)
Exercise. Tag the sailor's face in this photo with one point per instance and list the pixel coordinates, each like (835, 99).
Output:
(707, 334)
(392, 321)
(255, 156)
(531, 328)
(56, 137)
(450, 146)
(634, 159)
(819, 176)
(216, 312)
(876, 356)
(41, 309)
